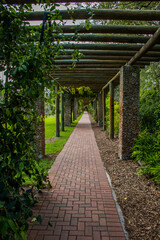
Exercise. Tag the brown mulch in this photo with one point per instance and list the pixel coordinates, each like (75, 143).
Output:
(138, 197)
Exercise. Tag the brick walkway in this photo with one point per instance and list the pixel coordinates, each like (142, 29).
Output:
(80, 205)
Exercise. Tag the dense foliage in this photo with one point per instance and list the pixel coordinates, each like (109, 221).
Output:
(24, 66)
(25, 63)
(147, 146)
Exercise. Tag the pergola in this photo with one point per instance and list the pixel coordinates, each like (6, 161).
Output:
(113, 54)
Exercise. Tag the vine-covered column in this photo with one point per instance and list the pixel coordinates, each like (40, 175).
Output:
(95, 109)
(111, 111)
(62, 112)
(104, 108)
(40, 131)
(100, 111)
(67, 109)
(57, 112)
(129, 109)
(75, 109)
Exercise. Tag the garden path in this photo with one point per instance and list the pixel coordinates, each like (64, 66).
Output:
(80, 205)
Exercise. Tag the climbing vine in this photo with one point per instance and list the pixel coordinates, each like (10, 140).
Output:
(26, 59)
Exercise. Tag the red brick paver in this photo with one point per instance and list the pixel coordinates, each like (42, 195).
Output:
(79, 206)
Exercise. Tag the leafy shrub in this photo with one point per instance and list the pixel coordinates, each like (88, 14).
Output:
(146, 151)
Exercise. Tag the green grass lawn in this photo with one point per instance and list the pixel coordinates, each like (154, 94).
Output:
(52, 148)
(50, 126)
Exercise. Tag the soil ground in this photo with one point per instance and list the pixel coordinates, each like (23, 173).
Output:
(138, 197)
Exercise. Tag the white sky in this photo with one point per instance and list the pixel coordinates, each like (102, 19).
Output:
(60, 7)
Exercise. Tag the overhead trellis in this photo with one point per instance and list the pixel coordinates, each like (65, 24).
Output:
(104, 49)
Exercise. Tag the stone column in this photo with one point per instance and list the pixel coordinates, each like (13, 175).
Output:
(75, 109)
(100, 111)
(104, 108)
(40, 131)
(57, 112)
(129, 110)
(95, 109)
(67, 109)
(111, 111)
(62, 112)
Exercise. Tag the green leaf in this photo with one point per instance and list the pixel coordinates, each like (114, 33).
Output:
(16, 236)
(23, 235)
(21, 166)
(2, 204)
(4, 227)
(34, 219)
(12, 225)
(39, 219)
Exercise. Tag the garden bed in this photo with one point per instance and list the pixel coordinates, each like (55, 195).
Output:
(138, 197)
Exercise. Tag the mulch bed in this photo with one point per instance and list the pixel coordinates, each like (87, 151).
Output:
(138, 197)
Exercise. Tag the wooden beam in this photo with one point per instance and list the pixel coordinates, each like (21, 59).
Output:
(96, 46)
(139, 54)
(66, 1)
(97, 57)
(88, 61)
(95, 62)
(112, 79)
(102, 14)
(112, 69)
(150, 43)
(110, 53)
(110, 29)
(87, 80)
(82, 75)
(83, 66)
(139, 29)
(101, 38)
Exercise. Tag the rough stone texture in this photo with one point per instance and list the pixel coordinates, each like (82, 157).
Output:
(129, 110)
(75, 109)
(67, 109)
(40, 132)
(104, 109)
(95, 109)
(62, 112)
(100, 110)
(57, 113)
(111, 111)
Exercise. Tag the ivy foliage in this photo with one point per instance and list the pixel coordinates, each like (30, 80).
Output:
(146, 150)
(25, 63)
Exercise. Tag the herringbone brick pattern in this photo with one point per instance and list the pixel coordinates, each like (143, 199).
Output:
(79, 205)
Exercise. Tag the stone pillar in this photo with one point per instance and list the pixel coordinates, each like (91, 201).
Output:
(95, 109)
(62, 112)
(57, 112)
(111, 111)
(100, 110)
(40, 131)
(129, 110)
(104, 108)
(72, 109)
(75, 109)
(67, 109)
